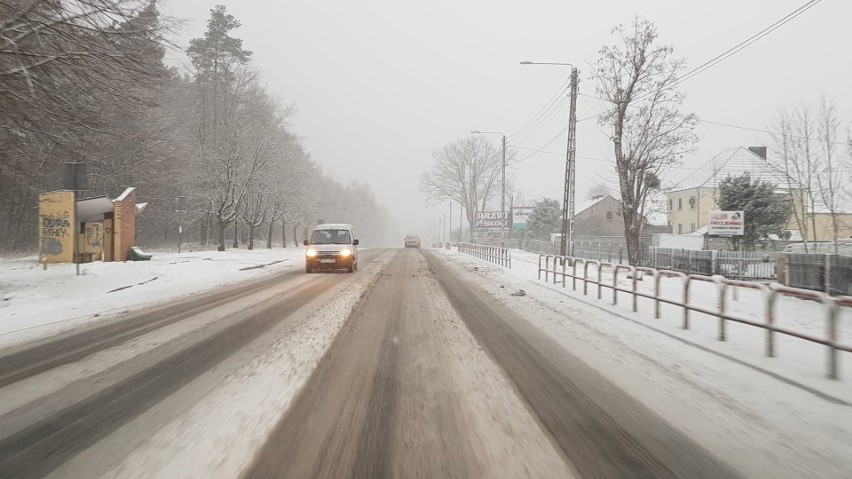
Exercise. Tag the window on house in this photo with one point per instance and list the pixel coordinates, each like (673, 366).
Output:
(692, 227)
(692, 202)
(680, 203)
(679, 228)
(609, 215)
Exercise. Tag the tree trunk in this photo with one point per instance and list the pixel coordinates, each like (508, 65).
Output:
(251, 237)
(236, 238)
(283, 234)
(269, 236)
(631, 235)
(202, 231)
(220, 234)
(295, 235)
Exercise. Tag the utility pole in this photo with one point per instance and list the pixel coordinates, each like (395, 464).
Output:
(444, 233)
(566, 246)
(450, 204)
(461, 226)
(503, 189)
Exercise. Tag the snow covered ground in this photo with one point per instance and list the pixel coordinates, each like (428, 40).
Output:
(36, 302)
(797, 359)
(213, 426)
(776, 417)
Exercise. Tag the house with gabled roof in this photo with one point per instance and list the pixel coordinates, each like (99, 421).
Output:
(601, 217)
(691, 202)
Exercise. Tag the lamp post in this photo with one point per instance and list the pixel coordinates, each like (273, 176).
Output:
(566, 246)
(502, 175)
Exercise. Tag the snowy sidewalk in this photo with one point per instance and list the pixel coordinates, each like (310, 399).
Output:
(35, 302)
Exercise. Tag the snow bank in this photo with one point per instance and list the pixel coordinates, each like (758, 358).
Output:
(36, 302)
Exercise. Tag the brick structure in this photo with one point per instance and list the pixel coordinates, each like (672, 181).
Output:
(124, 224)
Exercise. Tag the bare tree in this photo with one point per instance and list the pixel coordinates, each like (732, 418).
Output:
(62, 66)
(806, 153)
(830, 177)
(649, 132)
(792, 157)
(465, 171)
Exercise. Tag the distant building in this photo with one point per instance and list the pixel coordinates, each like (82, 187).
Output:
(601, 217)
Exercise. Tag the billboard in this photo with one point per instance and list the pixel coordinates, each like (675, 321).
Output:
(520, 216)
(490, 221)
(726, 223)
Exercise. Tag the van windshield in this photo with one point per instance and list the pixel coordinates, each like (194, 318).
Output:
(331, 237)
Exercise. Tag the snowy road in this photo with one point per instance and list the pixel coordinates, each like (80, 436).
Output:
(404, 369)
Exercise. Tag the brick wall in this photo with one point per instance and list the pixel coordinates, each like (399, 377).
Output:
(124, 225)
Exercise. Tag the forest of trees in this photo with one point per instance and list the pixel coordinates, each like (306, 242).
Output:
(206, 144)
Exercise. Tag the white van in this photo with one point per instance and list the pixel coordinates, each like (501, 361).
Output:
(331, 246)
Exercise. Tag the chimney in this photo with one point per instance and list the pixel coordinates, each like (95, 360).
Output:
(597, 197)
(759, 151)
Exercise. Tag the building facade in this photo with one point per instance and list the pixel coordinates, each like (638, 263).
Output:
(690, 205)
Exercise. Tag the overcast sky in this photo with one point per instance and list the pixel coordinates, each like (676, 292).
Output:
(379, 85)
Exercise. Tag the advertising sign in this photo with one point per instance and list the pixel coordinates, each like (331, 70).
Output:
(726, 223)
(490, 222)
(520, 216)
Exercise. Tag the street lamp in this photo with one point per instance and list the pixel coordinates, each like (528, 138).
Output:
(566, 246)
(503, 173)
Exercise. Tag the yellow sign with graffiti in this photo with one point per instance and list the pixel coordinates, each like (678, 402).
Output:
(56, 227)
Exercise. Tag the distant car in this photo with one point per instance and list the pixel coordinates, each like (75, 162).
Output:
(412, 241)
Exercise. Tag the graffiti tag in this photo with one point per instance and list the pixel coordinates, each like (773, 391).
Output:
(55, 225)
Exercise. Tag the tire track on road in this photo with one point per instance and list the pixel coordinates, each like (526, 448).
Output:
(41, 447)
(31, 359)
(600, 430)
(341, 423)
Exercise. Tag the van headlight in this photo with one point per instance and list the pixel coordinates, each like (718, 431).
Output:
(311, 253)
(345, 252)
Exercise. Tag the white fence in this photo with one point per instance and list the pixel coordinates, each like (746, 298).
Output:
(494, 254)
(576, 269)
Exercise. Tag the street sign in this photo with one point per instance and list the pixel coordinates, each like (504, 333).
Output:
(520, 217)
(490, 222)
(726, 223)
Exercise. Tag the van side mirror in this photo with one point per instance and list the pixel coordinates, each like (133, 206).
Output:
(305, 242)
(355, 243)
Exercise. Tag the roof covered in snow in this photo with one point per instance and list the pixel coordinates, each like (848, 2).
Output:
(589, 203)
(733, 162)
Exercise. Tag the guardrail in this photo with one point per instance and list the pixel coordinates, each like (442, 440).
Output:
(567, 267)
(494, 254)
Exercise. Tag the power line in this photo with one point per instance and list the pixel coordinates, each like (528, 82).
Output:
(774, 133)
(543, 146)
(745, 43)
(553, 99)
(556, 154)
(731, 51)
(544, 121)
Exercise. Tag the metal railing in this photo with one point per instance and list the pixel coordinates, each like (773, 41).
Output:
(567, 267)
(494, 254)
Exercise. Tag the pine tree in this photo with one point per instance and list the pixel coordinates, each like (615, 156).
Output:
(545, 218)
(766, 212)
